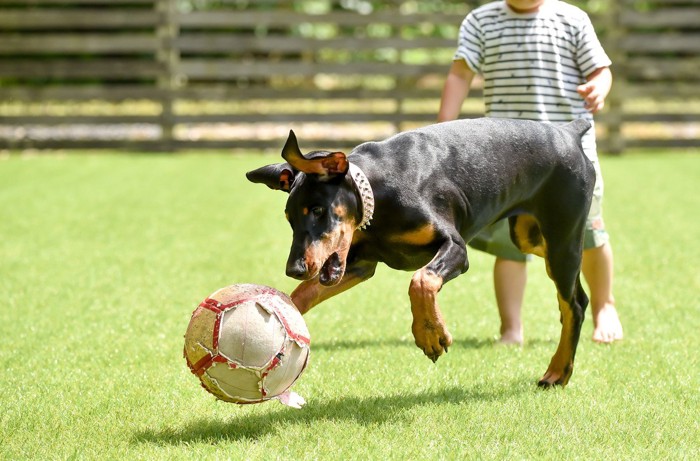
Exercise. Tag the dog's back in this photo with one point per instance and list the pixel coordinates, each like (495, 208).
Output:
(477, 143)
(480, 159)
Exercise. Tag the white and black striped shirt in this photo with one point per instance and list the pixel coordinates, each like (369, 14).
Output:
(532, 63)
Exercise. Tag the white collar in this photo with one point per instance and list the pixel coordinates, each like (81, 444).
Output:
(364, 189)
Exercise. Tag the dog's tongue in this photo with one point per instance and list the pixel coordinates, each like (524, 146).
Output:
(332, 271)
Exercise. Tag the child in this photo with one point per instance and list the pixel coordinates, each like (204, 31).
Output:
(540, 60)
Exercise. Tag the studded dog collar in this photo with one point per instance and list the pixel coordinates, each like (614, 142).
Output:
(364, 189)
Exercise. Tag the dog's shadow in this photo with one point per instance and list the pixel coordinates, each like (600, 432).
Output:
(330, 345)
(363, 411)
(466, 343)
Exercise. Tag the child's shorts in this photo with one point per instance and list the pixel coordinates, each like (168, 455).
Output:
(495, 239)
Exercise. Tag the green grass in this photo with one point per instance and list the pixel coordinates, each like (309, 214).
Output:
(103, 258)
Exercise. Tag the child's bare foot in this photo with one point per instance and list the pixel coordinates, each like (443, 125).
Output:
(606, 325)
(512, 337)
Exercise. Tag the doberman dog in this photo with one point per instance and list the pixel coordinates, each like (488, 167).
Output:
(413, 200)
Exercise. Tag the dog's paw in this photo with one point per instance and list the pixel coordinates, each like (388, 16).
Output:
(552, 378)
(545, 384)
(433, 340)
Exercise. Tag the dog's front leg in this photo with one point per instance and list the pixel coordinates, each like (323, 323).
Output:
(429, 329)
(310, 292)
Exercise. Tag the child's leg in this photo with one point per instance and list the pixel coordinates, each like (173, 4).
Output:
(509, 279)
(598, 271)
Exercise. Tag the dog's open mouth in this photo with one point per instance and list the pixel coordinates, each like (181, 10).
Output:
(332, 270)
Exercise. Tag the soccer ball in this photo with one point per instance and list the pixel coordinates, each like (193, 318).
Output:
(247, 344)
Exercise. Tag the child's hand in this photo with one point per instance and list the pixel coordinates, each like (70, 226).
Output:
(594, 99)
(596, 89)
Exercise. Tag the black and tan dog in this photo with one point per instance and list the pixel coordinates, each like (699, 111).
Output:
(413, 200)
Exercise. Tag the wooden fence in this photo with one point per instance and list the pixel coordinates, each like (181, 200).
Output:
(165, 75)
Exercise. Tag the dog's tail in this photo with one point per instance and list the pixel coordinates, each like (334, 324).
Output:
(578, 126)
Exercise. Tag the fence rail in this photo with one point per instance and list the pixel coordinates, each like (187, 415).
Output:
(148, 74)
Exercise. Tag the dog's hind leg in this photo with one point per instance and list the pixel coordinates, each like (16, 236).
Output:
(526, 234)
(562, 254)
(563, 262)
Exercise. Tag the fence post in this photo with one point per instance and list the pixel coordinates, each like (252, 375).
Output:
(168, 58)
(613, 45)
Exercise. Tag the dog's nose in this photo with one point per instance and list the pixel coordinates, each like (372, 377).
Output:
(297, 270)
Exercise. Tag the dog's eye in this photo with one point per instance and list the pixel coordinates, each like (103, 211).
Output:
(317, 211)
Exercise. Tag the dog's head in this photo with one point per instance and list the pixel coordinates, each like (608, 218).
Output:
(322, 209)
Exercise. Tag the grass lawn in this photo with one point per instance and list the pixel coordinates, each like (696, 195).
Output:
(103, 257)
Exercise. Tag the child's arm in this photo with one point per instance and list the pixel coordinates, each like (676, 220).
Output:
(455, 90)
(596, 89)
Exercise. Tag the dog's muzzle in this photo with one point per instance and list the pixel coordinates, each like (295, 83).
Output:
(297, 269)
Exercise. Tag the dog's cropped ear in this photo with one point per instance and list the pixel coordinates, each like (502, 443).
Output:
(278, 176)
(326, 166)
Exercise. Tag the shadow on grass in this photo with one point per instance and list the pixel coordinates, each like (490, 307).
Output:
(465, 343)
(363, 411)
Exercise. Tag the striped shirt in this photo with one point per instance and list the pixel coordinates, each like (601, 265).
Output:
(532, 63)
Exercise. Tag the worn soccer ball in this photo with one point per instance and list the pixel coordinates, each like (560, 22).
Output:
(247, 344)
